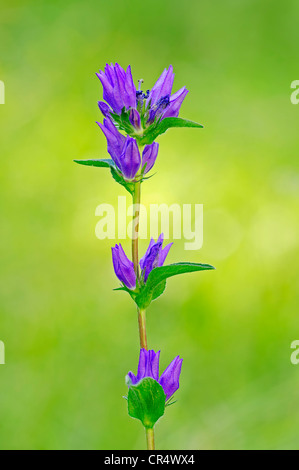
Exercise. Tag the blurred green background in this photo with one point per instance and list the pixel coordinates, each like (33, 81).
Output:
(70, 340)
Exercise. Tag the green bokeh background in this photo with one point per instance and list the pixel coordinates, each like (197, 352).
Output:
(69, 338)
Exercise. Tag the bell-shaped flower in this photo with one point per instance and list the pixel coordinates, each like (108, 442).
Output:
(154, 257)
(125, 153)
(143, 108)
(149, 367)
(162, 103)
(123, 267)
(118, 87)
(149, 156)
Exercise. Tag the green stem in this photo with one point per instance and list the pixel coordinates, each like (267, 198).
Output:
(150, 438)
(135, 257)
(141, 312)
(142, 328)
(135, 229)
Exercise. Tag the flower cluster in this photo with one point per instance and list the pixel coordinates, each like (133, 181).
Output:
(125, 153)
(124, 268)
(121, 95)
(133, 119)
(134, 111)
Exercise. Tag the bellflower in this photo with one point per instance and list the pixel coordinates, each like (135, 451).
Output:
(143, 108)
(123, 267)
(155, 256)
(125, 153)
(118, 87)
(162, 103)
(149, 367)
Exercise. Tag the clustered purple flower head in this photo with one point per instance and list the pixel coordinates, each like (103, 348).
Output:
(149, 367)
(120, 93)
(124, 268)
(125, 153)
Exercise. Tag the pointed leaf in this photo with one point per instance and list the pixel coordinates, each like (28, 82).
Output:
(146, 401)
(156, 280)
(155, 130)
(108, 163)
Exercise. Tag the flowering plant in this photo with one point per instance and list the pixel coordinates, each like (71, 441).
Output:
(142, 117)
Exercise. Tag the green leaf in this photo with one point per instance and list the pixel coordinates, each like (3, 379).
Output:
(156, 280)
(108, 163)
(162, 126)
(146, 401)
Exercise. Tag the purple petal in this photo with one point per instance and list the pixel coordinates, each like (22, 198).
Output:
(163, 254)
(132, 378)
(169, 380)
(142, 364)
(118, 87)
(123, 267)
(115, 140)
(151, 260)
(148, 364)
(142, 261)
(162, 86)
(149, 156)
(176, 101)
(130, 87)
(104, 108)
(130, 159)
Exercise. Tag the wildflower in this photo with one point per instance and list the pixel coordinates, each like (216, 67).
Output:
(155, 256)
(149, 367)
(143, 108)
(125, 153)
(118, 87)
(123, 267)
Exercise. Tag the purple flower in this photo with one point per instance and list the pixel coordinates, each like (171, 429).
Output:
(149, 156)
(125, 153)
(162, 103)
(123, 267)
(120, 93)
(149, 367)
(115, 140)
(118, 87)
(130, 158)
(155, 256)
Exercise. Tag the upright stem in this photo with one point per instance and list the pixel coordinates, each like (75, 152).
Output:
(142, 328)
(135, 257)
(135, 225)
(150, 438)
(141, 312)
